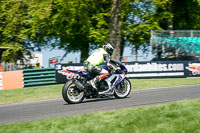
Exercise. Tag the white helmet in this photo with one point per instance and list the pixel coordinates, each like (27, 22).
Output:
(108, 48)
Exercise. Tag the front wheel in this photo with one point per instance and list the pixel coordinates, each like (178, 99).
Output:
(123, 89)
(71, 94)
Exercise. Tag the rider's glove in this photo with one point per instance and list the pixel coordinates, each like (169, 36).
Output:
(117, 68)
(113, 67)
(109, 65)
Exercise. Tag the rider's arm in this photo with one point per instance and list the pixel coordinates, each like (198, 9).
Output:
(106, 58)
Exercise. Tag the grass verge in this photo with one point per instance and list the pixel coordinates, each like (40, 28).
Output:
(54, 91)
(176, 117)
(30, 94)
(162, 82)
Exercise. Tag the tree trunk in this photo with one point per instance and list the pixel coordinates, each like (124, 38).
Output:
(136, 54)
(122, 48)
(84, 52)
(170, 20)
(115, 28)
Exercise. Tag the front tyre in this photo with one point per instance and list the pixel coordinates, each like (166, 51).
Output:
(71, 94)
(123, 89)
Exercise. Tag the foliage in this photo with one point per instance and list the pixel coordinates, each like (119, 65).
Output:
(140, 19)
(179, 15)
(186, 14)
(175, 117)
(12, 15)
(83, 25)
(70, 25)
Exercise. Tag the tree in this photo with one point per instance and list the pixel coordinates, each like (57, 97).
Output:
(115, 27)
(186, 14)
(183, 15)
(140, 19)
(12, 15)
(78, 25)
(180, 15)
(70, 25)
(73, 25)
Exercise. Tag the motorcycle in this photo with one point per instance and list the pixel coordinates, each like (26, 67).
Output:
(79, 87)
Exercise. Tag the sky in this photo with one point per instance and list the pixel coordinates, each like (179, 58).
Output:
(75, 57)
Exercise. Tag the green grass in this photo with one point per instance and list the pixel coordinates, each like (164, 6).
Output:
(30, 94)
(54, 91)
(179, 117)
(162, 82)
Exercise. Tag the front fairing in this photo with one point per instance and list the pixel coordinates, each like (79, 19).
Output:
(123, 68)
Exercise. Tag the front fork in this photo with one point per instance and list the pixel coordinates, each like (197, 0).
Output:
(123, 77)
(119, 80)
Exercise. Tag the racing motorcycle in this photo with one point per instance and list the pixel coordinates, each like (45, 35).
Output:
(79, 87)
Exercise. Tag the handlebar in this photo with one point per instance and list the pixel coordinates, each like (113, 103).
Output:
(117, 66)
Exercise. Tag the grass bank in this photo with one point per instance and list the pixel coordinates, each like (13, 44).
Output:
(54, 91)
(170, 118)
(162, 82)
(30, 94)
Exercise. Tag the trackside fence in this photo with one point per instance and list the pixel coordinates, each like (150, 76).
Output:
(38, 77)
(149, 69)
(59, 74)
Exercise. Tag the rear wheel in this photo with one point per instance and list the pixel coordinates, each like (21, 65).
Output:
(123, 89)
(71, 94)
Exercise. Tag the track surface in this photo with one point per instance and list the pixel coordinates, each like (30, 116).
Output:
(57, 107)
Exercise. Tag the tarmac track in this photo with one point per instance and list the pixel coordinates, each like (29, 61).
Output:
(57, 107)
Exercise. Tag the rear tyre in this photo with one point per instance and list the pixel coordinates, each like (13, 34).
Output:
(71, 94)
(123, 89)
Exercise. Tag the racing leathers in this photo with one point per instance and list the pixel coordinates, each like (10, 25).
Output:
(93, 62)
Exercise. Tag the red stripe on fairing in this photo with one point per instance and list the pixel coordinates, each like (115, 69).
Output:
(103, 75)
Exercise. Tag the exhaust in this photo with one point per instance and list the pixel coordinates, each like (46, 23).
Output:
(78, 84)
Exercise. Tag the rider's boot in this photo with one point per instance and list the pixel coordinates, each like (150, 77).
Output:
(99, 78)
(93, 83)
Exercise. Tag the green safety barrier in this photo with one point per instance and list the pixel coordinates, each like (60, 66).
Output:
(39, 76)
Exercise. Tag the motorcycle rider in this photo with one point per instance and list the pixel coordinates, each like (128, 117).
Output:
(93, 62)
